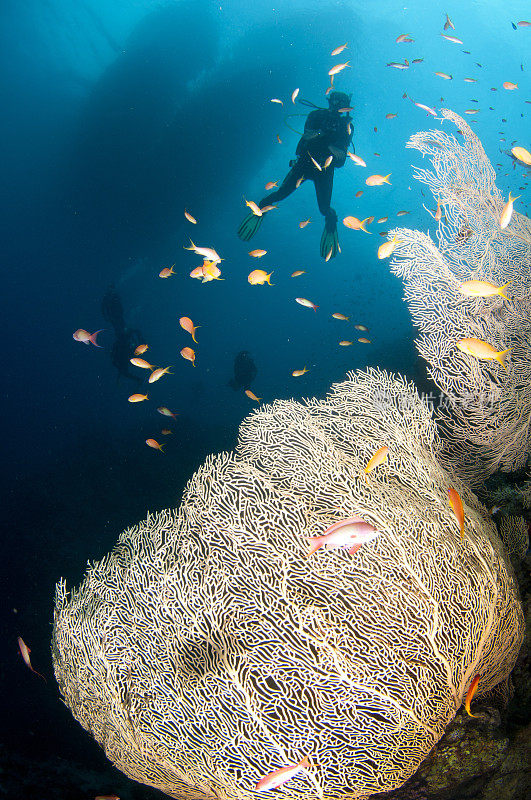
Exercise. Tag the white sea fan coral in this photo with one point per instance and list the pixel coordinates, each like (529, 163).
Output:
(207, 649)
(486, 417)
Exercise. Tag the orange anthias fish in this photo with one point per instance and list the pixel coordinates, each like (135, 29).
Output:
(522, 155)
(206, 252)
(438, 212)
(154, 444)
(356, 224)
(254, 208)
(356, 159)
(257, 253)
(25, 653)
(188, 354)
(337, 315)
(141, 349)
(307, 303)
(107, 797)
(271, 185)
(158, 373)
(509, 85)
(84, 336)
(470, 694)
(457, 508)
(482, 350)
(187, 325)
(351, 533)
(280, 776)
(137, 398)
(378, 180)
(298, 372)
(167, 271)
(166, 412)
(139, 362)
(298, 272)
(378, 458)
(304, 223)
(252, 395)
(189, 217)
(211, 272)
(258, 277)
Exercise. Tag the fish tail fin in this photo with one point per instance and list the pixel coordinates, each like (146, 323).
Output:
(500, 357)
(305, 762)
(190, 248)
(268, 279)
(315, 543)
(39, 674)
(502, 293)
(386, 179)
(93, 337)
(362, 226)
(315, 307)
(354, 549)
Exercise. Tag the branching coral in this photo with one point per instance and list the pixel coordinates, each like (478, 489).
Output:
(208, 649)
(486, 420)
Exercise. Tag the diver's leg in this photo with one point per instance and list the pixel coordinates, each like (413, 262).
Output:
(287, 187)
(323, 190)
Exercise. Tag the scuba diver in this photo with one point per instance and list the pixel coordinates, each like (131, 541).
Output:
(327, 135)
(126, 339)
(244, 371)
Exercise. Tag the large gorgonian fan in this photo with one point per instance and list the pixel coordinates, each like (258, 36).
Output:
(486, 417)
(207, 649)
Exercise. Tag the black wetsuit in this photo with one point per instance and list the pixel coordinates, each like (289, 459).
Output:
(323, 128)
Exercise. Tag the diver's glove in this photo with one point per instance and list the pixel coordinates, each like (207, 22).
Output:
(329, 239)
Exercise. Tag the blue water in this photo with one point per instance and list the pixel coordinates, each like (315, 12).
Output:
(116, 117)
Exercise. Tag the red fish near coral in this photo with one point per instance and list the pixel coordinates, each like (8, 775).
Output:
(351, 532)
(280, 776)
(24, 652)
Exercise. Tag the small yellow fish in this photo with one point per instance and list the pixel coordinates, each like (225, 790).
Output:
(361, 327)
(294, 95)
(316, 163)
(257, 253)
(298, 272)
(444, 75)
(258, 277)
(304, 222)
(271, 185)
(345, 343)
(141, 349)
(382, 220)
(137, 398)
(298, 372)
(378, 180)
(190, 218)
(385, 249)
(338, 68)
(470, 694)
(252, 395)
(375, 460)
(328, 162)
(139, 362)
(276, 100)
(206, 252)
(337, 315)
(507, 211)
(401, 213)
(509, 85)
(438, 212)
(337, 50)
(483, 289)
(482, 350)
(363, 340)
(522, 155)
(254, 208)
